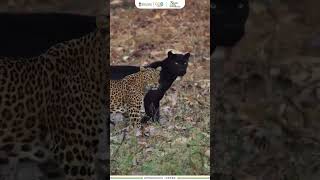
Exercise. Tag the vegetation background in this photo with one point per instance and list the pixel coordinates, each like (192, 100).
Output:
(179, 144)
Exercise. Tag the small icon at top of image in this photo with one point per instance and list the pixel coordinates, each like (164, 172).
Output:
(173, 4)
(158, 4)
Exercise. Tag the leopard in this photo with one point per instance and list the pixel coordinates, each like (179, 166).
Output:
(173, 66)
(52, 106)
(127, 94)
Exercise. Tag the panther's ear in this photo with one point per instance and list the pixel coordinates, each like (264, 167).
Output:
(159, 68)
(170, 53)
(187, 55)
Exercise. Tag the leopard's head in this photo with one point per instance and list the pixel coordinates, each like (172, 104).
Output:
(151, 77)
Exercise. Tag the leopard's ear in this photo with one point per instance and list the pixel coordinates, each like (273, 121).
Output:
(142, 68)
(158, 68)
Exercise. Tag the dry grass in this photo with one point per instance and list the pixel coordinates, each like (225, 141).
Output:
(180, 144)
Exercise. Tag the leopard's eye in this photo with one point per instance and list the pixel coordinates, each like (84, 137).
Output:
(240, 5)
(176, 63)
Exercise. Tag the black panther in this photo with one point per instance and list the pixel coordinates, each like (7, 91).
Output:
(31, 34)
(227, 27)
(227, 22)
(173, 66)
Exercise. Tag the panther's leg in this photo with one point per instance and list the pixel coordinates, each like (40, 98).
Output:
(143, 111)
(147, 103)
(156, 111)
(151, 105)
(153, 112)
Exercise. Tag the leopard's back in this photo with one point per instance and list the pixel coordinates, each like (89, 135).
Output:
(50, 105)
(127, 94)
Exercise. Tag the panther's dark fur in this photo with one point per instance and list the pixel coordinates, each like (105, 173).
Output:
(227, 22)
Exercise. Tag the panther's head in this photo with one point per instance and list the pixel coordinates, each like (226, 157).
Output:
(151, 77)
(228, 20)
(176, 64)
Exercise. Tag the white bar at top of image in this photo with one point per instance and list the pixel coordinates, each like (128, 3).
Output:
(160, 4)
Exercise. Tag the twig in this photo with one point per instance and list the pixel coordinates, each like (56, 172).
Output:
(123, 138)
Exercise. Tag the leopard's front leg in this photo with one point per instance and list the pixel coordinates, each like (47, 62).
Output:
(134, 108)
(135, 116)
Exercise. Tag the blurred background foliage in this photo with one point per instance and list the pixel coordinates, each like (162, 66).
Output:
(271, 97)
